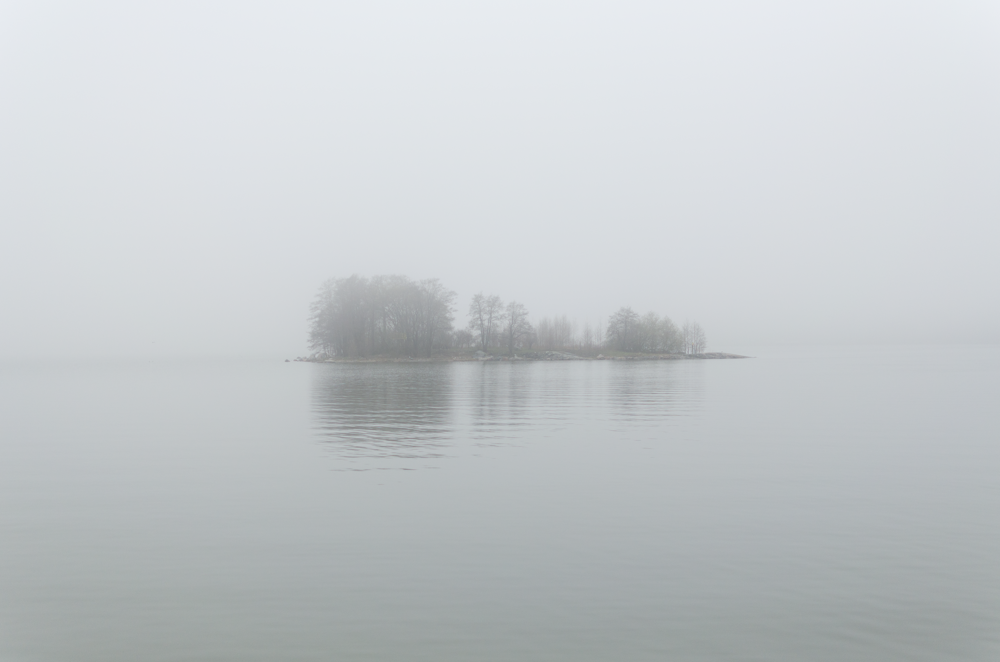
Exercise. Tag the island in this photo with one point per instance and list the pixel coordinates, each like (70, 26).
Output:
(396, 319)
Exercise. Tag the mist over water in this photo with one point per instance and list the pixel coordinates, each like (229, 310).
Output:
(178, 179)
(191, 193)
(808, 504)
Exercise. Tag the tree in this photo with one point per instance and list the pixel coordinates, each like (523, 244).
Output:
(464, 338)
(321, 318)
(647, 333)
(484, 315)
(622, 330)
(588, 341)
(356, 316)
(515, 324)
(670, 336)
(436, 307)
(556, 332)
(650, 333)
(693, 338)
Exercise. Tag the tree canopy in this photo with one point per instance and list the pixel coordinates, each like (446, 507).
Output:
(358, 316)
(394, 315)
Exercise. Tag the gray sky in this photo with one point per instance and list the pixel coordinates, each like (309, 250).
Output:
(177, 178)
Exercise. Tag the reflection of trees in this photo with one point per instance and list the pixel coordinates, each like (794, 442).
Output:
(386, 410)
(500, 395)
(653, 390)
(509, 401)
(399, 414)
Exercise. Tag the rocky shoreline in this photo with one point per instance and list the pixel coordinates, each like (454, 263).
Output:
(524, 356)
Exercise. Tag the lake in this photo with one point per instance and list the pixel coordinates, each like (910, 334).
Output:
(811, 503)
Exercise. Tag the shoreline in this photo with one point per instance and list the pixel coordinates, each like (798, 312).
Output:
(519, 358)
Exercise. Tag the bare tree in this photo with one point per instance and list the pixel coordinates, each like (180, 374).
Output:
(484, 315)
(556, 332)
(320, 318)
(464, 339)
(623, 330)
(699, 341)
(544, 333)
(515, 324)
(436, 306)
(587, 338)
(693, 338)
(563, 331)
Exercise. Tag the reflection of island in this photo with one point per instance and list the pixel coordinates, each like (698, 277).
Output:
(500, 402)
(381, 416)
(642, 393)
(384, 411)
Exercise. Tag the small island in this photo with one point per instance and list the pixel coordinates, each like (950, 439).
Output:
(396, 319)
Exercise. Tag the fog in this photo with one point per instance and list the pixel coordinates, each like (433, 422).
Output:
(178, 179)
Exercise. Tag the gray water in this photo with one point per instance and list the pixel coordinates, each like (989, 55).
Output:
(808, 504)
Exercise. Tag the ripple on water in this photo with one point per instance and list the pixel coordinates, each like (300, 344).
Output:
(406, 416)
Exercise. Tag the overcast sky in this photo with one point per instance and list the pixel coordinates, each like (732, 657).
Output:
(178, 178)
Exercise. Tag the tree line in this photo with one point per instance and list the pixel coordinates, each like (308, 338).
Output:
(359, 316)
(394, 315)
(630, 332)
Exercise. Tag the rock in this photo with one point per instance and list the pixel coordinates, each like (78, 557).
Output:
(560, 356)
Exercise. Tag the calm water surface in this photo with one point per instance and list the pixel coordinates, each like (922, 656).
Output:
(809, 504)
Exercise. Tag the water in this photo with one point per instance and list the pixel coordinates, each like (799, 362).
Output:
(809, 504)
